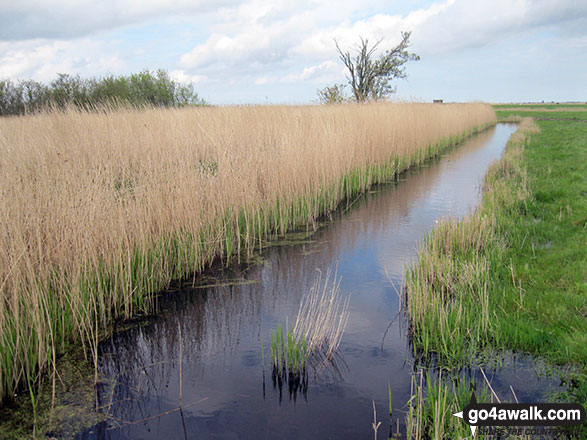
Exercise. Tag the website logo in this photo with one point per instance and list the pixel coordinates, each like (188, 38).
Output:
(521, 414)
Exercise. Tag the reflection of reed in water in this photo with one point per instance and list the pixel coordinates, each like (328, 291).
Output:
(297, 383)
(330, 370)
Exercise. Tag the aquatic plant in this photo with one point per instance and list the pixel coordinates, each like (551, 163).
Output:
(316, 334)
(322, 316)
(434, 399)
(287, 352)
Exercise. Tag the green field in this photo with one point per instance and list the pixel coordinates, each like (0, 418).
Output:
(564, 111)
(545, 115)
(548, 106)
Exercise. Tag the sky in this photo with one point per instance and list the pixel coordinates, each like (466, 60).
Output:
(283, 51)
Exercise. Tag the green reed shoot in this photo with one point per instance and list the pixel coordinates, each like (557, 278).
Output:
(288, 353)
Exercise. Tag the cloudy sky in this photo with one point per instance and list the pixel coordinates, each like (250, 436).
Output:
(282, 51)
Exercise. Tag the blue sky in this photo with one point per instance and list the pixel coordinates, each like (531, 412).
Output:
(252, 51)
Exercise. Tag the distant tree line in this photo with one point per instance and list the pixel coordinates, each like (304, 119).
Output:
(140, 89)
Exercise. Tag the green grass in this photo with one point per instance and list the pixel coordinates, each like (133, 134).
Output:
(289, 355)
(577, 111)
(548, 253)
(572, 115)
(435, 398)
(513, 275)
(549, 106)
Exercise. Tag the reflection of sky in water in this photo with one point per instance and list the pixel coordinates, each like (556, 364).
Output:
(223, 328)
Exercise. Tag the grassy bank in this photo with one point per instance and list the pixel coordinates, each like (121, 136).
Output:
(512, 275)
(100, 210)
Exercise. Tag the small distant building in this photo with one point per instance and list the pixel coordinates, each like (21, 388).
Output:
(437, 101)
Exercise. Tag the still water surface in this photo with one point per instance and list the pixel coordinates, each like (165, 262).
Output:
(227, 390)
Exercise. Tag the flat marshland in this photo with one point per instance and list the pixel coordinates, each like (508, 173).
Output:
(101, 210)
(542, 111)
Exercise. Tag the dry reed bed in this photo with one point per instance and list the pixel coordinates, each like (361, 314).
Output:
(98, 210)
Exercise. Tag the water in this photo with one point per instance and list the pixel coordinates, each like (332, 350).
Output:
(227, 390)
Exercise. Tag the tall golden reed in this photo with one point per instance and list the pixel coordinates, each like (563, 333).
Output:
(98, 210)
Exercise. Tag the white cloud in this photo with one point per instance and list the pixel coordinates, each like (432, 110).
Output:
(181, 76)
(29, 19)
(313, 71)
(42, 60)
(447, 26)
(251, 49)
(463, 24)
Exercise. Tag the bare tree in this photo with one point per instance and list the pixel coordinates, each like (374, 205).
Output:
(370, 78)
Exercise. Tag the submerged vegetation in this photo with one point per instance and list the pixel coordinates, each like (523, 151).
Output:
(101, 210)
(511, 275)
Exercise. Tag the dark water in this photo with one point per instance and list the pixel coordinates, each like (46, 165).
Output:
(227, 391)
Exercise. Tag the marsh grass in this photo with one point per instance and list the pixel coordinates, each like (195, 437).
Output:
(62, 415)
(288, 353)
(289, 356)
(451, 291)
(434, 400)
(511, 275)
(101, 210)
(438, 394)
(316, 334)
